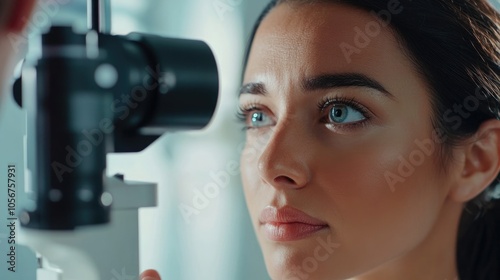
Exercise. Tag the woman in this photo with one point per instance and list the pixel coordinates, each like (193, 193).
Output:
(373, 144)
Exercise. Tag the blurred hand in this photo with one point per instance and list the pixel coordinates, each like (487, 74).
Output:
(150, 274)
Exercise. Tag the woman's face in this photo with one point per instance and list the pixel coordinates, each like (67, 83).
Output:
(344, 135)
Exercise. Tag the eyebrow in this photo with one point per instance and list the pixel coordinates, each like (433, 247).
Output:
(327, 81)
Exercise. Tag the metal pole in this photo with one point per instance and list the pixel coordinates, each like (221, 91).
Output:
(99, 15)
(93, 15)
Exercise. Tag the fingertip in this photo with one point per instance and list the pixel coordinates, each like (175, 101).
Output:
(150, 274)
(19, 15)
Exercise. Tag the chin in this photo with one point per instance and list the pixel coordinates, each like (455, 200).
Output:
(297, 261)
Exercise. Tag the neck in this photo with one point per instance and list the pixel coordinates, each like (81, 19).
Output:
(433, 259)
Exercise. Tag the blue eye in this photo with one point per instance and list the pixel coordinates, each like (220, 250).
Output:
(259, 119)
(253, 116)
(341, 113)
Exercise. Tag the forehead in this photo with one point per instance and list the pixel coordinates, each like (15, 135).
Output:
(322, 37)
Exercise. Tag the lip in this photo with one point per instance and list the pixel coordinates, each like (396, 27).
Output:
(288, 224)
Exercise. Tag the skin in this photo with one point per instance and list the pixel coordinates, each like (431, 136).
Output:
(298, 157)
(150, 274)
(13, 17)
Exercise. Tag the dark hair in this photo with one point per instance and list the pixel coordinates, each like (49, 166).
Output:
(455, 46)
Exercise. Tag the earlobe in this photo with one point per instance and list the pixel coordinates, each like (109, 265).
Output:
(19, 14)
(481, 162)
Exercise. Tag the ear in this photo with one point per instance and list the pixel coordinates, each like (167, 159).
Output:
(480, 162)
(18, 14)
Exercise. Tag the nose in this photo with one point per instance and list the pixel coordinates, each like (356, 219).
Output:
(283, 162)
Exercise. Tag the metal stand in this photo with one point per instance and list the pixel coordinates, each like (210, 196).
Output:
(104, 252)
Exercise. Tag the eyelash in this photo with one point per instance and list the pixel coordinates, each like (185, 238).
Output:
(246, 110)
(351, 102)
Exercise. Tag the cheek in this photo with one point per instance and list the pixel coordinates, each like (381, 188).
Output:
(250, 154)
(249, 175)
(373, 217)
